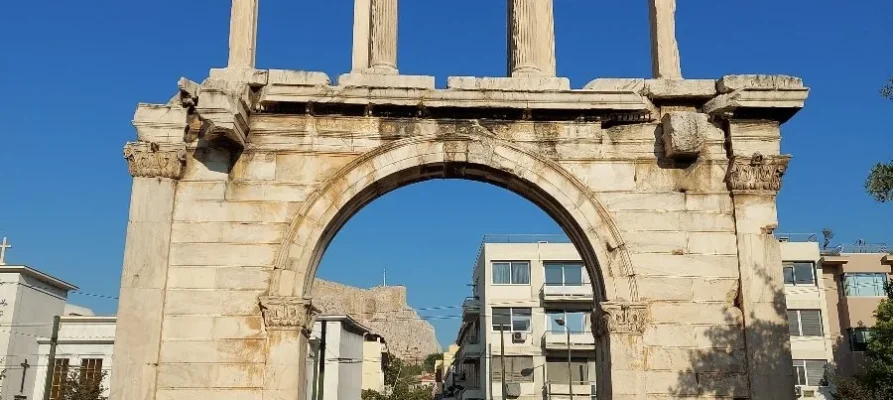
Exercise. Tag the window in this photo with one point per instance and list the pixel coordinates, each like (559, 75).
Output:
(864, 285)
(564, 274)
(799, 273)
(575, 320)
(60, 372)
(511, 273)
(517, 368)
(859, 338)
(810, 372)
(805, 322)
(557, 372)
(518, 319)
(91, 371)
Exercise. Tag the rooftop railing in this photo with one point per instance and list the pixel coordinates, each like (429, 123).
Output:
(797, 237)
(527, 238)
(858, 247)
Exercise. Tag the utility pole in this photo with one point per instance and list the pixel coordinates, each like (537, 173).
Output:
(570, 372)
(502, 356)
(322, 363)
(490, 359)
(51, 364)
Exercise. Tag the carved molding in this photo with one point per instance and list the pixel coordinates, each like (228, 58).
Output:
(155, 160)
(619, 317)
(288, 313)
(756, 174)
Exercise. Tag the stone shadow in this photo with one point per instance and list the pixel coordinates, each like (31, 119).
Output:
(719, 367)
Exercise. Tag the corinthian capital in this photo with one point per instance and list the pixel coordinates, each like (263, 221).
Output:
(287, 313)
(757, 174)
(618, 317)
(155, 160)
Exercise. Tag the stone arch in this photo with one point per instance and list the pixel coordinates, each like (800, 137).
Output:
(463, 156)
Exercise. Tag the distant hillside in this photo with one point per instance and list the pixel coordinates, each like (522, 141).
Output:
(384, 310)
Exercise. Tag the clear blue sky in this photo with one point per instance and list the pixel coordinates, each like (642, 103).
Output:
(73, 72)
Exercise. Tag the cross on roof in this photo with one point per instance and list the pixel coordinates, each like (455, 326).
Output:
(3, 246)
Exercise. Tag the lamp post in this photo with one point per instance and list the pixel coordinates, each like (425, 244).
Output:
(570, 373)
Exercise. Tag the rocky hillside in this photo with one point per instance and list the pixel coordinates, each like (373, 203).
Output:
(384, 310)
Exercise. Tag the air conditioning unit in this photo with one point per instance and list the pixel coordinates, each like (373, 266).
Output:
(519, 337)
(513, 389)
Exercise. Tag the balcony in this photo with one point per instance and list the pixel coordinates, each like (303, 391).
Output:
(471, 350)
(582, 292)
(560, 391)
(557, 340)
(471, 309)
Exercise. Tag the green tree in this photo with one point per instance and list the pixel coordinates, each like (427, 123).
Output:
(401, 383)
(431, 361)
(82, 385)
(880, 181)
(875, 382)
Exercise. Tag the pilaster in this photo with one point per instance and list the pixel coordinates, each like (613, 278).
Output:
(155, 168)
(619, 326)
(288, 322)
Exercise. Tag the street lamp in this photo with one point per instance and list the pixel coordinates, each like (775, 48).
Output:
(570, 373)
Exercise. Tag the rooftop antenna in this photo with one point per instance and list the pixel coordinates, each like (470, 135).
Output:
(384, 278)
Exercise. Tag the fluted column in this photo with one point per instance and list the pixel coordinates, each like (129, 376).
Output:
(243, 34)
(664, 48)
(531, 38)
(383, 44)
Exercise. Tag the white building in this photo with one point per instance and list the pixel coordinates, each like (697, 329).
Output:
(341, 361)
(29, 299)
(84, 343)
(805, 296)
(536, 287)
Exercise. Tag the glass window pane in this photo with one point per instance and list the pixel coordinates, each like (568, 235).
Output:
(803, 274)
(575, 321)
(801, 374)
(520, 273)
(554, 275)
(789, 275)
(551, 316)
(502, 273)
(573, 275)
(501, 316)
(521, 319)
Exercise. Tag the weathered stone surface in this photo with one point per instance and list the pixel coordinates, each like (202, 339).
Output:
(695, 89)
(731, 83)
(636, 85)
(684, 133)
(531, 38)
(664, 49)
(516, 83)
(386, 81)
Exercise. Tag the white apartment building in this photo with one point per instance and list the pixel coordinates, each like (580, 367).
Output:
(537, 289)
(808, 318)
(85, 343)
(344, 358)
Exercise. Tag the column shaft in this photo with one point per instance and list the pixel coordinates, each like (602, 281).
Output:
(243, 34)
(362, 14)
(143, 282)
(383, 49)
(664, 48)
(531, 38)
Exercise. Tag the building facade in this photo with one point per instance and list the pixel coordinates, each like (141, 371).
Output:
(85, 344)
(808, 318)
(29, 299)
(531, 295)
(854, 278)
(342, 362)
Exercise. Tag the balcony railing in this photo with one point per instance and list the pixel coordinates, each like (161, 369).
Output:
(858, 247)
(560, 391)
(471, 308)
(581, 292)
(579, 340)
